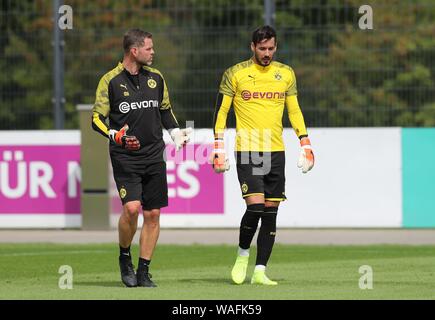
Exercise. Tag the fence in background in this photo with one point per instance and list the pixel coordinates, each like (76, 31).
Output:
(346, 76)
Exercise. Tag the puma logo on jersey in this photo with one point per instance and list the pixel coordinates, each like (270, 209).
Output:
(126, 94)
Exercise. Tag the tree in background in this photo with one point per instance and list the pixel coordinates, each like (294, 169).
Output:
(25, 80)
(346, 76)
(379, 77)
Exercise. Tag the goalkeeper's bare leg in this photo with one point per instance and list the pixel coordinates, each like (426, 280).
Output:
(127, 226)
(148, 239)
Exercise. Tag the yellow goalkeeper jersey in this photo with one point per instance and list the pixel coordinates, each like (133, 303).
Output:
(259, 95)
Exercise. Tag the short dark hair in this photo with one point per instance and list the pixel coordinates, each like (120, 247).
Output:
(134, 37)
(263, 33)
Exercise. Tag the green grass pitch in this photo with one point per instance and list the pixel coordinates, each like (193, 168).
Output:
(30, 271)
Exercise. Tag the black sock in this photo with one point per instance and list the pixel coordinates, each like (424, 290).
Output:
(266, 235)
(124, 252)
(249, 224)
(143, 264)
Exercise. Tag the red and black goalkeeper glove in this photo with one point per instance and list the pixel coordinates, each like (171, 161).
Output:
(121, 139)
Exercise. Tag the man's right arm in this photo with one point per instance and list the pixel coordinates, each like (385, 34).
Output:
(101, 108)
(227, 90)
(219, 159)
(101, 111)
(223, 104)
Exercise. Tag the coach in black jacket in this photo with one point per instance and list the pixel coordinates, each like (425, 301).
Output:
(135, 98)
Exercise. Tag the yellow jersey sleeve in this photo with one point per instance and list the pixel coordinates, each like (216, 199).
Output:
(223, 105)
(102, 105)
(228, 84)
(295, 116)
(292, 89)
(99, 124)
(227, 91)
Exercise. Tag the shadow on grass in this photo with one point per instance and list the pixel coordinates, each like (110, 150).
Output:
(222, 281)
(163, 281)
(99, 283)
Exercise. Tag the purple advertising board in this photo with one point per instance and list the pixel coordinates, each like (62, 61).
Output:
(45, 179)
(40, 179)
(193, 187)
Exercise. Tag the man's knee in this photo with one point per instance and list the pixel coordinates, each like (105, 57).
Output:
(268, 218)
(151, 216)
(132, 209)
(269, 204)
(255, 199)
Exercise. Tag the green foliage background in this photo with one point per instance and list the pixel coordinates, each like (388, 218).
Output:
(346, 76)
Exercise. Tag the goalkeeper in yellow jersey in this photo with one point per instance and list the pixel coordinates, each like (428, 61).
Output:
(258, 89)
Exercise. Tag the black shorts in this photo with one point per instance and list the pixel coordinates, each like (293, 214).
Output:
(262, 173)
(146, 183)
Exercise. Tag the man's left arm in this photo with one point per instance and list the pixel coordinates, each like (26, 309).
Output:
(170, 123)
(306, 158)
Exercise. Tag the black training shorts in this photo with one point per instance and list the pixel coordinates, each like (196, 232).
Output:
(262, 173)
(144, 182)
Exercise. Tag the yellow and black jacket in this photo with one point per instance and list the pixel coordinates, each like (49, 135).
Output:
(259, 95)
(140, 101)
